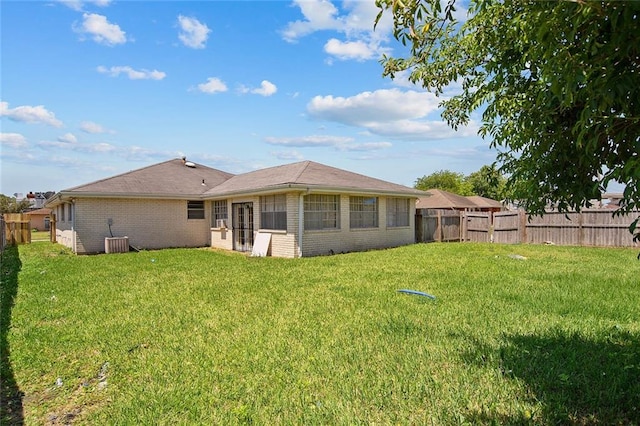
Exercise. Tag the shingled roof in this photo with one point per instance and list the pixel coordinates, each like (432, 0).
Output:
(173, 178)
(180, 179)
(307, 175)
(440, 199)
(484, 202)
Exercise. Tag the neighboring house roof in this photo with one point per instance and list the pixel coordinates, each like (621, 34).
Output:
(176, 179)
(39, 212)
(484, 202)
(170, 179)
(307, 175)
(440, 199)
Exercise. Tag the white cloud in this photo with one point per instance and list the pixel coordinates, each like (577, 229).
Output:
(381, 105)
(390, 113)
(30, 114)
(401, 79)
(13, 140)
(340, 143)
(68, 138)
(213, 85)
(77, 5)
(266, 88)
(309, 141)
(61, 143)
(367, 146)
(288, 155)
(355, 21)
(139, 153)
(421, 129)
(194, 34)
(318, 14)
(73, 4)
(358, 50)
(101, 30)
(93, 128)
(133, 74)
(102, 147)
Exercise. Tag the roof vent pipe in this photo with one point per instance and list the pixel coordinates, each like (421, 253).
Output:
(188, 163)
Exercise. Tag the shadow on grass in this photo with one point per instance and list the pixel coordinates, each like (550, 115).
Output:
(11, 412)
(575, 380)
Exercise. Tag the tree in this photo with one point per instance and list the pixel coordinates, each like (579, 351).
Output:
(558, 84)
(11, 205)
(445, 180)
(488, 182)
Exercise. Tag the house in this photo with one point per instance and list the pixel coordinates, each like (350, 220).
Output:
(439, 199)
(484, 204)
(40, 219)
(294, 210)
(37, 200)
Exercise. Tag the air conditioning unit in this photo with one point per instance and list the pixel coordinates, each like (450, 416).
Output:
(221, 223)
(116, 245)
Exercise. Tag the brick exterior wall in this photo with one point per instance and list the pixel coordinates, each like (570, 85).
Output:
(149, 224)
(283, 243)
(314, 243)
(155, 224)
(347, 240)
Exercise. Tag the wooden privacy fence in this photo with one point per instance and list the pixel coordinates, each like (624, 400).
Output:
(476, 226)
(3, 235)
(590, 227)
(438, 226)
(17, 228)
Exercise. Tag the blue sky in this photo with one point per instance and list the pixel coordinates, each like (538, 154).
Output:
(95, 88)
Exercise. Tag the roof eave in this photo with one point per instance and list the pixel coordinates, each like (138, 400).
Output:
(66, 196)
(311, 189)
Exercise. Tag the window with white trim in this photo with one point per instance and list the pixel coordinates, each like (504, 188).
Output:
(195, 209)
(363, 212)
(273, 212)
(61, 212)
(321, 211)
(397, 212)
(219, 213)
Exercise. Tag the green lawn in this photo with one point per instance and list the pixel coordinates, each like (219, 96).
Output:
(196, 336)
(40, 236)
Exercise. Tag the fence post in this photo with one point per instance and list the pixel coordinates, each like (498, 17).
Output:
(522, 227)
(439, 227)
(52, 228)
(580, 229)
(463, 226)
(491, 225)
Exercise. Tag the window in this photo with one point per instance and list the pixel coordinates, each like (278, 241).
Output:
(195, 209)
(363, 212)
(321, 211)
(70, 213)
(62, 213)
(273, 212)
(397, 212)
(219, 212)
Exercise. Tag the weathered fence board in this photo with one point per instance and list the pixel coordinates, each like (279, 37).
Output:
(507, 227)
(438, 226)
(17, 228)
(3, 234)
(477, 226)
(590, 227)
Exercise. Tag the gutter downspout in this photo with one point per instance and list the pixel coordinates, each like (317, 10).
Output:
(73, 225)
(300, 222)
